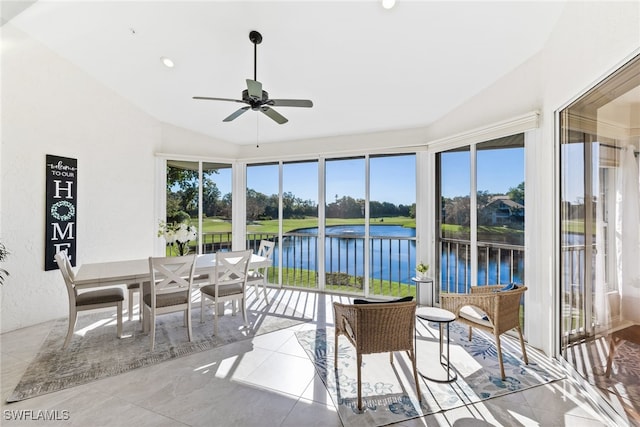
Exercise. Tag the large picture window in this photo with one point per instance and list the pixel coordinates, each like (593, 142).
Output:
(480, 226)
(198, 194)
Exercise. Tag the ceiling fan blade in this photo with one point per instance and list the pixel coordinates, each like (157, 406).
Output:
(236, 113)
(219, 99)
(279, 118)
(255, 89)
(291, 103)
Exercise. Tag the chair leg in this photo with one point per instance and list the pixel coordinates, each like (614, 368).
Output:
(215, 317)
(502, 375)
(146, 313)
(143, 314)
(202, 297)
(73, 317)
(335, 350)
(612, 349)
(359, 358)
(412, 356)
(264, 287)
(119, 328)
(244, 312)
(187, 314)
(524, 350)
(469, 333)
(152, 319)
(130, 304)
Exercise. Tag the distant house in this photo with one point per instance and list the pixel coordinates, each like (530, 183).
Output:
(501, 210)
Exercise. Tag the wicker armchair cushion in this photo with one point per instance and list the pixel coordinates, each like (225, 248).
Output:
(474, 314)
(364, 301)
(509, 287)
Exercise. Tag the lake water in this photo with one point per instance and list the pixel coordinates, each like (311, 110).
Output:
(393, 250)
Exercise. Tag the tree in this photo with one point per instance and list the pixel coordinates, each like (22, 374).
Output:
(210, 197)
(225, 206)
(517, 193)
(173, 206)
(182, 193)
(346, 207)
(483, 198)
(256, 204)
(457, 211)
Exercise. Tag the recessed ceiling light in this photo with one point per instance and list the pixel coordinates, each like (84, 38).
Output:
(168, 62)
(388, 4)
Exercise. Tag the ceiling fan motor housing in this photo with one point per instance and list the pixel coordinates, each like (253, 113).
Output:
(254, 102)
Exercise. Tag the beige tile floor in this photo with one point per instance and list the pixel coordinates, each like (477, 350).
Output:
(266, 381)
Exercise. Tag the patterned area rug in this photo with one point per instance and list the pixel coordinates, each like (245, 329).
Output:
(99, 354)
(623, 385)
(389, 394)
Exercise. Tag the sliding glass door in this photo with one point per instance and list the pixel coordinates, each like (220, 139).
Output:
(599, 231)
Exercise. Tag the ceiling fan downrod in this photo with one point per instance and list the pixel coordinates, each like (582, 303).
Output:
(256, 39)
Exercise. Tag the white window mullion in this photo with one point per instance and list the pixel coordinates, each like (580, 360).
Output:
(280, 219)
(473, 216)
(160, 247)
(239, 207)
(366, 244)
(321, 222)
(200, 210)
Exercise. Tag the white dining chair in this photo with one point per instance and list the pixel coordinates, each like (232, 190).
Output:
(228, 282)
(169, 290)
(259, 275)
(89, 300)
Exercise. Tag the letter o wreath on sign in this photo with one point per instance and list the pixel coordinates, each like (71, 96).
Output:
(71, 211)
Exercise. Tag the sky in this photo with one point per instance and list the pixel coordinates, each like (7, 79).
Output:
(392, 177)
(497, 171)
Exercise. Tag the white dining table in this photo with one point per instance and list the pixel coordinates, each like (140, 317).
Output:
(137, 271)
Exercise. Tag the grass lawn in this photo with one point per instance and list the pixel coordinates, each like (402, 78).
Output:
(271, 226)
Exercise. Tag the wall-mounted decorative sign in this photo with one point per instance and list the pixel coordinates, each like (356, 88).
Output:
(61, 215)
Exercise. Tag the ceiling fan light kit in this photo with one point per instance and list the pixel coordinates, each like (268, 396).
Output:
(256, 98)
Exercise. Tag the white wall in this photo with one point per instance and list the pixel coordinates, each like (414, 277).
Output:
(182, 142)
(50, 107)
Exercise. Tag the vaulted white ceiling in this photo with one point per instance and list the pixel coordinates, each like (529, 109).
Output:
(366, 68)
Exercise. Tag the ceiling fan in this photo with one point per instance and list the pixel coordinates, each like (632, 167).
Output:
(256, 98)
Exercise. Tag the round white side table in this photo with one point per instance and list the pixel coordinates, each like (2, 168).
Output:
(441, 317)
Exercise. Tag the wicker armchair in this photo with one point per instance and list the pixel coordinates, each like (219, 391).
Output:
(488, 309)
(377, 328)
